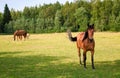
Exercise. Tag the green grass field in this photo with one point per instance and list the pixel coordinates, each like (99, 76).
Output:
(54, 56)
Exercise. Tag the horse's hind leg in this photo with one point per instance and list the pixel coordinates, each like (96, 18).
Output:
(20, 37)
(79, 55)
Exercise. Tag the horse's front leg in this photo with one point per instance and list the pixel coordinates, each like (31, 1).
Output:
(92, 59)
(24, 37)
(84, 59)
(79, 55)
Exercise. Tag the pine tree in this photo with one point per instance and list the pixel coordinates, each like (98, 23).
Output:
(0, 20)
(6, 18)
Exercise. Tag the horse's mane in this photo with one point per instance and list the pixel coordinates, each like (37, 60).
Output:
(85, 35)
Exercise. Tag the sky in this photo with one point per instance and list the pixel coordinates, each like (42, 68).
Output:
(20, 4)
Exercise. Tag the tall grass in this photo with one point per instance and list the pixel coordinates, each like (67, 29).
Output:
(54, 56)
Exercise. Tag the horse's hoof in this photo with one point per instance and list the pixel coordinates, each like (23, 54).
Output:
(85, 68)
(81, 64)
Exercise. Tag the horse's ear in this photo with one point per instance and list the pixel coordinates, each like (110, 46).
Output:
(88, 24)
(93, 25)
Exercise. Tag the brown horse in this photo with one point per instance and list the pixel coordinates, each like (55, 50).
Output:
(19, 34)
(86, 42)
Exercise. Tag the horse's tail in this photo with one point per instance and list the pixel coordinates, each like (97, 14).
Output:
(70, 36)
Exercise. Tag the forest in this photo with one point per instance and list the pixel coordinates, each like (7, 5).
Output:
(56, 17)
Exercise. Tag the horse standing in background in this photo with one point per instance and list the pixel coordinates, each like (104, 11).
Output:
(19, 34)
(86, 42)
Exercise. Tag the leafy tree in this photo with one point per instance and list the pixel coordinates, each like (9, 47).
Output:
(19, 23)
(117, 26)
(96, 4)
(114, 23)
(39, 25)
(116, 7)
(66, 13)
(105, 12)
(16, 14)
(58, 20)
(81, 18)
(26, 12)
(9, 27)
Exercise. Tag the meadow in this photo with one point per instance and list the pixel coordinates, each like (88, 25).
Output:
(54, 56)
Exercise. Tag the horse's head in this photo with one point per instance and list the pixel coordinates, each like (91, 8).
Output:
(90, 31)
(15, 34)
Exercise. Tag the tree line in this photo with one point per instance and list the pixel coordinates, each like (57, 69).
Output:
(105, 14)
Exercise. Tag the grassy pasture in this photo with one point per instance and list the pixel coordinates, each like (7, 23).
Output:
(54, 56)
